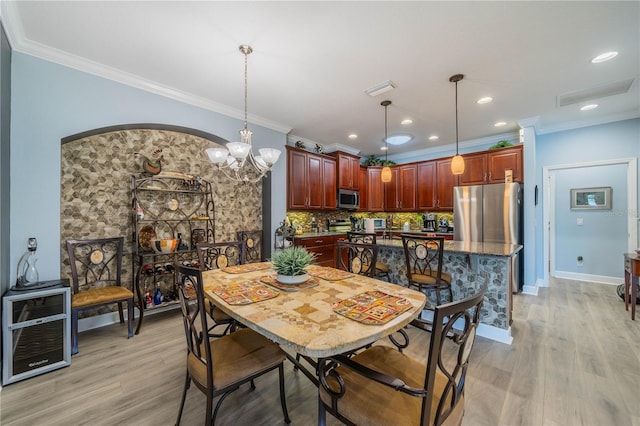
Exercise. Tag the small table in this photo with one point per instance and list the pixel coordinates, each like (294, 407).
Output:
(631, 273)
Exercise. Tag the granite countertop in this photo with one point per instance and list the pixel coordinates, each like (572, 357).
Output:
(493, 249)
(318, 234)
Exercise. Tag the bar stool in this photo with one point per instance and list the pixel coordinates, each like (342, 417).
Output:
(382, 269)
(424, 264)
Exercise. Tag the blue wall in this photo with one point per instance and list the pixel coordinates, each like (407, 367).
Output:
(50, 102)
(618, 140)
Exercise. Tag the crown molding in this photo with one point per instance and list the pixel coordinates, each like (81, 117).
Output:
(20, 43)
(577, 124)
(445, 150)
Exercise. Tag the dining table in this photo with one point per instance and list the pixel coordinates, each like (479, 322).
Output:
(333, 312)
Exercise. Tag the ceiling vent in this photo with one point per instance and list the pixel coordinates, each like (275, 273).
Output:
(380, 88)
(595, 93)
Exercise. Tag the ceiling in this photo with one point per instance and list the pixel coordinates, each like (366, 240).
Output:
(312, 61)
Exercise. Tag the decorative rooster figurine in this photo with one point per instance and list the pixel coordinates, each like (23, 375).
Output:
(153, 166)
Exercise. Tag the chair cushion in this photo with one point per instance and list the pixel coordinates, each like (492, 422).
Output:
(236, 356)
(366, 402)
(382, 267)
(99, 296)
(217, 314)
(430, 279)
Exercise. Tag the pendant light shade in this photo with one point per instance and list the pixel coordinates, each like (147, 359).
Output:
(457, 165)
(386, 174)
(457, 162)
(386, 170)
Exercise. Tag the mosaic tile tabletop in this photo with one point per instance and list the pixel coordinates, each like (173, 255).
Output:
(304, 321)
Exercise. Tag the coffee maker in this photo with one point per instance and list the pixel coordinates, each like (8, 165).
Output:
(429, 222)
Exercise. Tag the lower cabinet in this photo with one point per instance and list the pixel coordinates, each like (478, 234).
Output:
(324, 246)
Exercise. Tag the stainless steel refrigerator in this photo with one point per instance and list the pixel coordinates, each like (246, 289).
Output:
(491, 214)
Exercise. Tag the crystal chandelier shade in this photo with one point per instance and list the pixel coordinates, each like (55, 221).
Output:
(237, 160)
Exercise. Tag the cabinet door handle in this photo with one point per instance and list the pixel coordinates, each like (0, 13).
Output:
(319, 241)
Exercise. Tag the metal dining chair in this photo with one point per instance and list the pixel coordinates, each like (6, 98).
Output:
(221, 365)
(217, 256)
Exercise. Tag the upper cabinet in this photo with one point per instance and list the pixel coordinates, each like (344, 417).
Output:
(446, 181)
(500, 160)
(375, 190)
(490, 166)
(427, 186)
(364, 190)
(348, 170)
(311, 180)
(435, 185)
(400, 193)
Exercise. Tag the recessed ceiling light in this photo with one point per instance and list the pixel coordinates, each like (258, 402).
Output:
(384, 148)
(380, 88)
(604, 57)
(353, 136)
(433, 137)
(484, 100)
(588, 107)
(406, 121)
(500, 124)
(398, 139)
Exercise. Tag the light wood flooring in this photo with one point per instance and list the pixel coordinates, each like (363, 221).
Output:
(575, 360)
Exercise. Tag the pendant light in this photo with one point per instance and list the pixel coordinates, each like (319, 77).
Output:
(386, 170)
(237, 160)
(457, 162)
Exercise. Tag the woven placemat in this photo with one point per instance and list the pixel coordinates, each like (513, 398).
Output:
(244, 292)
(372, 307)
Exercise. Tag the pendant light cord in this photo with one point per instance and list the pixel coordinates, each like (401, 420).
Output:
(386, 151)
(456, 118)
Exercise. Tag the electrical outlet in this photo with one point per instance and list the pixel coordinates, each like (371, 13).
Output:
(579, 221)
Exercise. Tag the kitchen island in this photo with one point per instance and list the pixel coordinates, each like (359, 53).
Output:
(470, 264)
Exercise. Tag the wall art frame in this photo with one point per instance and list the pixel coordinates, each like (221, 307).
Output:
(597, 198)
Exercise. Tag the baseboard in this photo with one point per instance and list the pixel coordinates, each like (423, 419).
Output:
(542, 283)
(490, 332)
(590, 278)
(530, 289)
(494, 333)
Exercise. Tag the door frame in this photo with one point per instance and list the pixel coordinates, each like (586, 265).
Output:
(548, 183)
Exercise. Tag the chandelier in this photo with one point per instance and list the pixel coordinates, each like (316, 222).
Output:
(237, 161)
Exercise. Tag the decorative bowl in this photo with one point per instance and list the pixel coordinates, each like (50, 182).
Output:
(164, 246)
(292, 279)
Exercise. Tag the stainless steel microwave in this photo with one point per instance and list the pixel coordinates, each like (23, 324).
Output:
(348, 199)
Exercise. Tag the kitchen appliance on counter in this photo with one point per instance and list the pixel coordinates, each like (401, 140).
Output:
(339, 225)
(491, 214)
(429, 222)
(443, 225)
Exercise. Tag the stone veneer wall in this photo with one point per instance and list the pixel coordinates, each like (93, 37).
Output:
(95, 193)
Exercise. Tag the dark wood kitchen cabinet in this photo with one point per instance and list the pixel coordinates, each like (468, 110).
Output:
(446, 181)
(400, 193)
(364, 191)
(500, 160)
(475, 169)
(375, 190)
(348, 170)
(311, 180)
(324, 247)
(435, 185)
(490, 166)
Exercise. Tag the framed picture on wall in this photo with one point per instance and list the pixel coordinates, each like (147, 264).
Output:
(591, 198)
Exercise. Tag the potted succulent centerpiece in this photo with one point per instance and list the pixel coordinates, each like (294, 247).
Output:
(290, 264)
